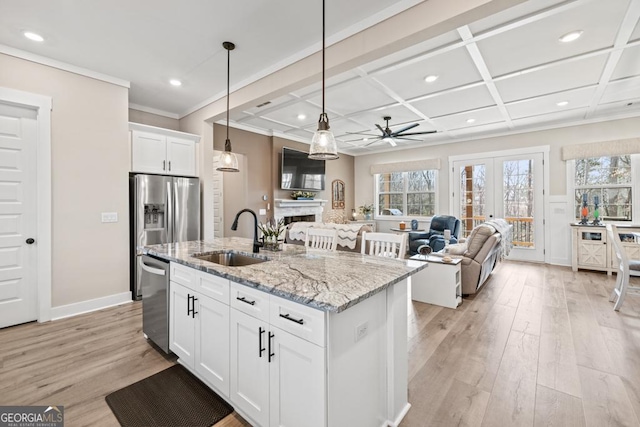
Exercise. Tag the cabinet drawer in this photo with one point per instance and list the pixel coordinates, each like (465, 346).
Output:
(184, 275)
(297, 319)
(250, 301)
(213, 286)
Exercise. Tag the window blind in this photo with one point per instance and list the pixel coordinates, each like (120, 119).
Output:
(599, 149)
(413, 165)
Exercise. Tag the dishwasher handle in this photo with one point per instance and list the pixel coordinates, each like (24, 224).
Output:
(152, 270)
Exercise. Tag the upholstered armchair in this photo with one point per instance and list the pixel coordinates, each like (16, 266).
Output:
(434, 237)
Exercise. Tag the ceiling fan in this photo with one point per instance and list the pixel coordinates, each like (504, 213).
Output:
(391, 136)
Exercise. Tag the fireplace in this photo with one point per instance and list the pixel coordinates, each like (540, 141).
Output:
(298, 210)
(299, 218)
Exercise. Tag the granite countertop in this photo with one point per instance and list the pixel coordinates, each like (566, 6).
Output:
(328, 281)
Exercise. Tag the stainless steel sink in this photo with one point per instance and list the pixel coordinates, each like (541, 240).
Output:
(230, 259)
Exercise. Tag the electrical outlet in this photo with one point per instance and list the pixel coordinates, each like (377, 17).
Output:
(109, 216)
(361, 330)
(263, 211)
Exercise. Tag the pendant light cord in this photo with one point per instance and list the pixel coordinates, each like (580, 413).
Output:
(228, 73)
(323, 47)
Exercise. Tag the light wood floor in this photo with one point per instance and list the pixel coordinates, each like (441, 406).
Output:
(538, 346)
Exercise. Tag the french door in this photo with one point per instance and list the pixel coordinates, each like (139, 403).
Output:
(509, 187)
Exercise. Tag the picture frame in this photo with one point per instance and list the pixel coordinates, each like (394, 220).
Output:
(337, 194)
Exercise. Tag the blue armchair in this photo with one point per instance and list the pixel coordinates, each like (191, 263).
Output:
(434, 237)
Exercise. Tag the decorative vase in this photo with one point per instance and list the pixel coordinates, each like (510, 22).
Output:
(271, 243)
(367, 216)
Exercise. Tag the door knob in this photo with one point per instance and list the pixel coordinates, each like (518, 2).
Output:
(30, 241)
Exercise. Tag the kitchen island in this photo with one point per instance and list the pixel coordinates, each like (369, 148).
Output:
(305, 338)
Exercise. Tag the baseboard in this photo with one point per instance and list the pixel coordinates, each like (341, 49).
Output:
(88, 306)
(400, 416)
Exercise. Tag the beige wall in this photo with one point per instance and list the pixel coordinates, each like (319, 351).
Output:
(342, 168)
(555, 138)
(259, 176)
(90, 162)
(245, 188)
(150, 119)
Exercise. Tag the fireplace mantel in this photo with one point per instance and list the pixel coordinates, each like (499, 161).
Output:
(290, 203)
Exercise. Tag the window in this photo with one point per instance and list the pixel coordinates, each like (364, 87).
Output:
(608, 180)
(406, 193)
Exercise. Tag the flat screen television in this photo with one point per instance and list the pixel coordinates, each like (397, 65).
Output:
(299, 172)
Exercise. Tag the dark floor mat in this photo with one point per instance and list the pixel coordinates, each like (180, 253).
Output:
(171, 398)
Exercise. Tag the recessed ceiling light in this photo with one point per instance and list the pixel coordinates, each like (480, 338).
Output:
(431, 79)
(175, 82)
(471, 121)
(562, 103)
(569, 37)
(33, 36)
(301, 116)
(365, 139)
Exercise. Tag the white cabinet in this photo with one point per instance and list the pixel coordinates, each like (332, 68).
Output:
(296, 379)
(162, 151)
(593, 251)
(199, 331)
(281, 363)
(212, 343)
(250, 366)
(182, 323)
(277, 378)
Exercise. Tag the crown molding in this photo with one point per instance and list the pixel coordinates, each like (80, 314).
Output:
(155, 111)
(38, 59)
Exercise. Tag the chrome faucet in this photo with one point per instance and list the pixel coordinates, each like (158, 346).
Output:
(234, 227)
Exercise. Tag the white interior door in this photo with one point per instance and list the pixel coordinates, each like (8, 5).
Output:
(509, 187)
(18, 255)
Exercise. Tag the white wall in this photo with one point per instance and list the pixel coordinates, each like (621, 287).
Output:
(90, 164)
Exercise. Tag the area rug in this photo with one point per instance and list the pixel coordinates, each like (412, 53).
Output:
(173, 397)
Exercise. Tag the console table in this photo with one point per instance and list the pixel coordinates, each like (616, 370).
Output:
(592, 251)
(439, 284)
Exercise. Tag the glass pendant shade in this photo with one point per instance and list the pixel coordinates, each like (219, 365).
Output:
(228, 162)
(323, 144)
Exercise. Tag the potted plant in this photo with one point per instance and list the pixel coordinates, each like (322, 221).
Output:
(303, 195)
(271, 231)
(366, 210)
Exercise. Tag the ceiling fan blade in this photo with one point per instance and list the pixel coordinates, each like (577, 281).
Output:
(419, 133)
(381, 130)
(391, 142)
(360, 133)
(372, 142)
(406, 128)
(401, 138)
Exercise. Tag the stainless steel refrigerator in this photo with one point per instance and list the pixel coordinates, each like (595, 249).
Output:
(164, 209)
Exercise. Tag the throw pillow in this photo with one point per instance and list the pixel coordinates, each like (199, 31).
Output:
(457, 249)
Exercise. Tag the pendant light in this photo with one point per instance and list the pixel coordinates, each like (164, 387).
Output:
(323, 144)
(228, 160)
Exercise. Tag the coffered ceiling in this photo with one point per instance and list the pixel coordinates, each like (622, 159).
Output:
(505, 73)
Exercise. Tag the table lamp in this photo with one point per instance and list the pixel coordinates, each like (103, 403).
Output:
(447, 238)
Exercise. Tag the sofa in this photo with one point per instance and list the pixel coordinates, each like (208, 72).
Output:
(434, 237)
(349, 235)
(479, 253)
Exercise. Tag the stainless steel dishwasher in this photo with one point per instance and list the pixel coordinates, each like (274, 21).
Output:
(155, 300)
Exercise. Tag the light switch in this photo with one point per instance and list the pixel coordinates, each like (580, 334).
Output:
(263, 211)
(109, 216)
